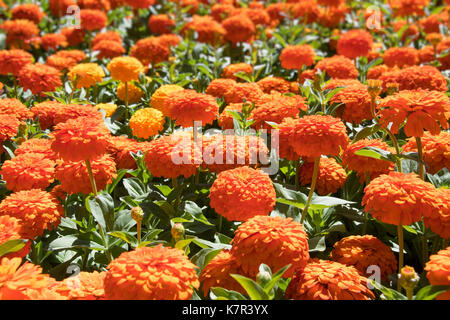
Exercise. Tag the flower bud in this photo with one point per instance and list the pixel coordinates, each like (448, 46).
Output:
(137, 214)
(408, 278)
(374, 87)
(263, 277)
(392, 88)
(177, 231)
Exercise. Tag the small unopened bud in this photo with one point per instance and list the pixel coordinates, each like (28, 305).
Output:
(137, 214)
(408, 279)
(434, 38)
(263, 277)
(392, 88)
(374, 87)
(172, 59)
(316, 82)
(177, 231)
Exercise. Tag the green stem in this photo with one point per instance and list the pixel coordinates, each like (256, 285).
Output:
(94, 189)
(396, 146)
(366, 214)
(400, 252)
(220, 223)
(311, 190)
(420, 152)
(297, 173)
(139, 225)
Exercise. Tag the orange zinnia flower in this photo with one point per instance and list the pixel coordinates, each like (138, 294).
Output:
(140, 4)
(334, 83)
(89, 137)
(416, 77)
(36, 146)
(439, 221)
(221, 11)
(438, 271)
(400, 57)
(150, 50)
(146, 122)
(269, 84)
(363, 164)
(83, 286)
(25, 282)
(399, 199)
(12, 61)
(107, 36)
(36, 209)
(239, 28)
(354, 43)
(86, 75)
(151, 273)
(435, 149)
(217, 273)
(224, 152)
(406, 8)
(125, 68)
(328, 280)
(330, 179)
(218, 87)
(242, 193)
(338, 67)
(92, 19)
(109, 49)
(134, 93)
(173, 156)
(13, 107)
(73, 35)
(28, 171)
(230, 70)
(58, 8)
(160, 96)
(72, 111)
(160, 24)
(29, 11)
(187, 106)
(364, 251)
(225, 119)
(275, 241)
(249, 91)
(318, 135)
(277, 109)
(9, 127)
(19, 32)
(10, 230)
(39, 78)
(295, 57)
(74, 176)
(51, 41)
(207, 29)
(123, 147)
(95, 4)
(356, 103)
(421, 109)
(285, 131)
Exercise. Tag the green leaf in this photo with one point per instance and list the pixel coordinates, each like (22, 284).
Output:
(254, 290)
(71, 242)
(217, 293)
(366, 132)
(102, 208)
(151, 235)
(388, 294)
(11, 246)
(317, 244)
(135, 188)
(125, 236)
(196, 212)
(375, 153)
(275, 278)
(430, 292)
